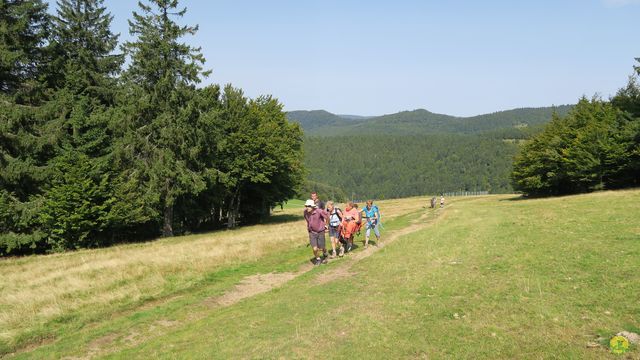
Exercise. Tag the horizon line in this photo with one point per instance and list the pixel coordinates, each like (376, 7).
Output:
(401, 111)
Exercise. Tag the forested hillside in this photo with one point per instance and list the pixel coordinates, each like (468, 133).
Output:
(316, 120)
(323, 123)
(415, 152)
(381, 167)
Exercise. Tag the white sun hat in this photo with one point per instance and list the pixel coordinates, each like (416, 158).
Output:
(310, 203)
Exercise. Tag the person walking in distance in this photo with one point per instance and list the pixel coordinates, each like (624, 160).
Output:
(442, 201)
(372, 218)
(335, 218)
(316, 225)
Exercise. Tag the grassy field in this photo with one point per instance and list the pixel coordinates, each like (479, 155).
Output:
(294, 204)
(45, 298)
(487, 277)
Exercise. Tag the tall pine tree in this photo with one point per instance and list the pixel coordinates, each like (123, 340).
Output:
(85, 49)
(78, 116)
(161, 80)
(24, 28)
(24, 152)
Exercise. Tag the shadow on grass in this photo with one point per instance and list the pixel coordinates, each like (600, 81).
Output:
(281, 218)
(518, 198)
(522, 197)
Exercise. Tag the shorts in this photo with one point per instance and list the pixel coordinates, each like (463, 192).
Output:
(370, 226)
(317, 239)
(334, 231)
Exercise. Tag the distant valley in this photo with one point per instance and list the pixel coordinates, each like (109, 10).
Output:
(414, 152)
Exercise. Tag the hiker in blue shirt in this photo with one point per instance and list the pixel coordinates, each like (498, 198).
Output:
(372, 216)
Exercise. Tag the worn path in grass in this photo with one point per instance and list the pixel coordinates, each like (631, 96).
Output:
(260, 283)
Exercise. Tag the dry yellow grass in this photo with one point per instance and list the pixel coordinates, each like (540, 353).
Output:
(36, 289)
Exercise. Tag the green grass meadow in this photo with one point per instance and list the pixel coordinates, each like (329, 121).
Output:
(490, 277)
(294, 204)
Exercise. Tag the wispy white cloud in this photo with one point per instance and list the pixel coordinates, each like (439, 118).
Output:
(620, 3)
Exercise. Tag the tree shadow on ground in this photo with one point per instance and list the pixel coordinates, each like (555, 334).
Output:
(280, 218)
(518, 198)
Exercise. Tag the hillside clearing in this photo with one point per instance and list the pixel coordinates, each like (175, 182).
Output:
(485, 277)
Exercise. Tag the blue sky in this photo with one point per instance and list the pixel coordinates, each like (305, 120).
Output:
(377, 57)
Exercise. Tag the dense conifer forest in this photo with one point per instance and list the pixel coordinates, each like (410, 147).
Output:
(94, 151)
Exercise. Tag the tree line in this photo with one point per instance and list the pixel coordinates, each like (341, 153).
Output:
(595, 146)
(93, 152)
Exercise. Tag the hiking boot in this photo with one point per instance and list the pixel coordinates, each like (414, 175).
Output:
(333, 255)
(349, 248)
(341, 254)
(317, 262)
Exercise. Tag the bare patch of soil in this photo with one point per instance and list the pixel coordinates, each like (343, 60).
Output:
(253, 285)
(167, 323)
(339, 272)
(96, 346)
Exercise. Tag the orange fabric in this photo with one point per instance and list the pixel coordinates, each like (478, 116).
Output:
(348, 228)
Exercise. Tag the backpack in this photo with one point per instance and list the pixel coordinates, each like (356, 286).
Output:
(333, 216)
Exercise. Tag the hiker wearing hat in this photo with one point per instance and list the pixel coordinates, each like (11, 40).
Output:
(316, 226)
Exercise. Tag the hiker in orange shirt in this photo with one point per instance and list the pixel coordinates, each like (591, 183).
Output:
(349, 225)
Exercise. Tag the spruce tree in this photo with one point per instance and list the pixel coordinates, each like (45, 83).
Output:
(23, 37)
(24, 151)
(85, 46)
(78, 116)
(161, 129)
(86, 83)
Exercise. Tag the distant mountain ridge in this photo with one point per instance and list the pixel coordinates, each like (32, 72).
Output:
(354, 117)
(421, 121)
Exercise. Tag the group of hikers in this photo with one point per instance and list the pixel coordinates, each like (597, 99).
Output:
(342, 226)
